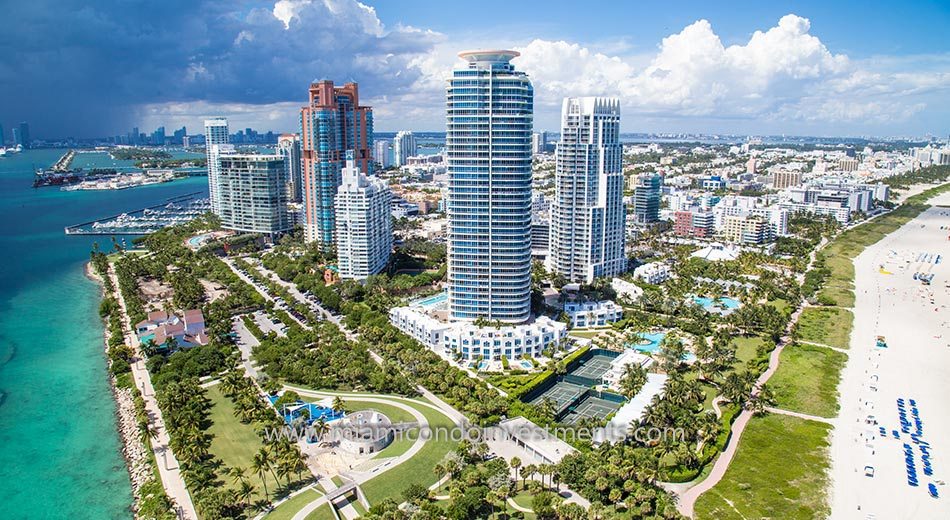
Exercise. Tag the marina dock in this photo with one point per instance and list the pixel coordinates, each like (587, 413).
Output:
(176, 210)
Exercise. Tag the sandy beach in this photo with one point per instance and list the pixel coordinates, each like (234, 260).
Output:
(914, 320)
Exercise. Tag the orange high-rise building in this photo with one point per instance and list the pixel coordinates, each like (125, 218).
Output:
(332, 123)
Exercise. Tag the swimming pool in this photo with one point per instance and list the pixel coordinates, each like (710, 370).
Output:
(526, 364)
(723, 302)
(483, 365)
(650, 343)
(291, 412)
(432, 301)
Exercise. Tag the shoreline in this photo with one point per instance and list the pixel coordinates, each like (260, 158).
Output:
(134, 452)
(912, 318)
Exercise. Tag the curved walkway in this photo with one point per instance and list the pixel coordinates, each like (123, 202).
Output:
(512, 503)
(396, 461)
(687, 500)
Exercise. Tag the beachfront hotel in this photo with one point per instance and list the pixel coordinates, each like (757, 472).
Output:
(364, 223)
(252, 194)
(216, 134)
(488, 144)
(332, 123)
(588, 215)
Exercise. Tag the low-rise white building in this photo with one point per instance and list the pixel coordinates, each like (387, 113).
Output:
(618, 366)
(652, 273)
(625, 289)
(471, 341)
(593, 314)
(465, 340)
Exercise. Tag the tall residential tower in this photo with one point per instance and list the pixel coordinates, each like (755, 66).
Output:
(488, 144)
(364, 224)
(646, 198)
(216, 134)
(332, 124)
(404, 147)
(252, 193)
(587, 216)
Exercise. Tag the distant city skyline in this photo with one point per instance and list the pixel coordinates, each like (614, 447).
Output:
(808, 68)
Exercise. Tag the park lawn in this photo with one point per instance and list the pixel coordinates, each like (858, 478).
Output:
(321, 513)
(747, 348)
(418, 469)
(840, 295)
(826, 325)
(782, 305)
(780, 471)
(395, 414)
(234, 442)
(288, 509)
(807, 380)
(396, 448)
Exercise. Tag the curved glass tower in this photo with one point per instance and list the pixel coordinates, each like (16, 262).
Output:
(488, 142)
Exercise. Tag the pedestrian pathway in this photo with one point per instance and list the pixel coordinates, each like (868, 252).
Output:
(168, 467)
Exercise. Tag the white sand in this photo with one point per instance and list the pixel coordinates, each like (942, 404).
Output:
(915, 366)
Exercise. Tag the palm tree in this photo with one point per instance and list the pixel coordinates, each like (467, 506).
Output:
(515, 464)
(634, 377)
(260, 464)
(338, 406)
(245, 491)
(526, 473)
(237, 474)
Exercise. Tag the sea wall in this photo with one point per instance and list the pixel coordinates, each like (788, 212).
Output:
(137, 459)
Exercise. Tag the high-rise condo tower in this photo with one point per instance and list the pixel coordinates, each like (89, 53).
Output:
(488, 143)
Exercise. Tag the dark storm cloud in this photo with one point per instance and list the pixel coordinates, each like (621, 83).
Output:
(83, 68)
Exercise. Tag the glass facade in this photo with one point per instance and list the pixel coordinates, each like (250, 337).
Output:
(252, 191)
(588, 216)
(488, 144)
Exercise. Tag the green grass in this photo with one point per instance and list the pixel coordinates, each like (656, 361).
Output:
(337, 480)
(321, 513)
(587, 334)
(416, 470)
(782, 305)
(807, 380)
(523, 499)
(828, 326)
(288, 509)
(234, 443)
(747, 348)
(397, 448)
(395, 414)
(778, 472)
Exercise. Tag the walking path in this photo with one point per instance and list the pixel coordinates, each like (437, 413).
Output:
(800, 415)
(168, 468)
(837, 349)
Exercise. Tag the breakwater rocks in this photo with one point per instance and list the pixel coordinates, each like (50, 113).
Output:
(134, 450)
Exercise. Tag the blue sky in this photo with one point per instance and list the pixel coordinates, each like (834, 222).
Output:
(817, 68)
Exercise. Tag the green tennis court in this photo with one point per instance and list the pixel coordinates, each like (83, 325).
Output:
(593, 368)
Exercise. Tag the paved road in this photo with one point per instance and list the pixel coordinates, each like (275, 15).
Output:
(245, 343)
(168, 467)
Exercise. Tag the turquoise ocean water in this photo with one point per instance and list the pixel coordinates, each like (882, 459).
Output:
(59, 448)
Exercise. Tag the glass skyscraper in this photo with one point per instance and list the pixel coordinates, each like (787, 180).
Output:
(587, 216)
(216, 135)
(332, 125)
(488, 143)
(646, 198)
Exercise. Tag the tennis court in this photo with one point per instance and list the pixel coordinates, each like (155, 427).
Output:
(591, 406)
(593, 368)
(562, 393)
